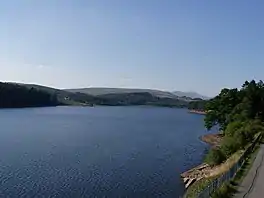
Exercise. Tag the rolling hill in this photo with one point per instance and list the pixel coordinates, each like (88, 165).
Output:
(192, 95)
(97, 91)
(114, 96)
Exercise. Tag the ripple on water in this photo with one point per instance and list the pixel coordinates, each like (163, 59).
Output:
(97, 152)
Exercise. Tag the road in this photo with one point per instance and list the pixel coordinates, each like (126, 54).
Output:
(253, 184)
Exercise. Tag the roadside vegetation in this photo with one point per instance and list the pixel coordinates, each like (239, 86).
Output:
(229, 188)
(239, 113)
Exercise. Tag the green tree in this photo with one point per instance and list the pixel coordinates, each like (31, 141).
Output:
(220, 107)
(214, 157)
(236, 105)
(229, 146)
(15, 96)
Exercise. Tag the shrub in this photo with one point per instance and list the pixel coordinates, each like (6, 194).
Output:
(242, 138)
(232, 128)
(214, 157)
(229, 146)
(224, 191)
(251, 128)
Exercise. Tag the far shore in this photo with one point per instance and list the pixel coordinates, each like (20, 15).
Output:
(197, 112)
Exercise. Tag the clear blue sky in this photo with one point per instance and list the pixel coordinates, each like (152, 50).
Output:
(186, 45)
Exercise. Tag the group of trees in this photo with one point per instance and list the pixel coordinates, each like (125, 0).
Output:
(141, 98)
(15, 96)
(198, 104)
(22, 95)
(239, 114)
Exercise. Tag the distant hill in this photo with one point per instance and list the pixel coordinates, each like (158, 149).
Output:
(192, 95)
(17, 96)
(114, 96)
(64, 97)
(141, 98)
(97, 91)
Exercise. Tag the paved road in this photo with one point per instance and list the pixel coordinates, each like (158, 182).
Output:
(253, 184)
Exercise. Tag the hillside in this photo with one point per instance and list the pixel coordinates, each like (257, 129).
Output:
(96, 91)
(17, 96)
(112, 96)
(141, 98)
(192, 95)
(64, 97)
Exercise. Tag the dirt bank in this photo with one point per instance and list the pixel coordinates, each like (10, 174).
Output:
(213, 140)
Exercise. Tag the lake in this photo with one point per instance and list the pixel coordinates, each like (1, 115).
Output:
(97, 152)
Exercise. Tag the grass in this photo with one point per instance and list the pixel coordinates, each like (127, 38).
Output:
(229, 163)
(200, 185)
(228, 189)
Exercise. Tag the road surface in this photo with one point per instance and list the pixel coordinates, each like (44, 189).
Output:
(253, 184)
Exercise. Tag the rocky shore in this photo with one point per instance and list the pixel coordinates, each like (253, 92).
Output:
(203, 170)
(197, 112)
(213, 140)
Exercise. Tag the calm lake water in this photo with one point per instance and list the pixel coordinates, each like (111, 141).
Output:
(97, 152)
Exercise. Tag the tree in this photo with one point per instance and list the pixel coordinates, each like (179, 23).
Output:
(233, 104)
(14, 96)
(239, 113)
(214, 157)
(229, 146)
(197, 105)
(233, 127)
(220, 107)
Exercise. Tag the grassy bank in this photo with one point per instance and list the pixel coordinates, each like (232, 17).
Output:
(239, 113)
(200, 185)
(228, 189)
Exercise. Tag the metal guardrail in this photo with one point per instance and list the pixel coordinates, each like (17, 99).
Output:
(218, 182)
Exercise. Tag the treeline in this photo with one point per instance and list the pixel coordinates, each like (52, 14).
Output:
(142, 98)
(15, 96)
(126, 99)
(198, 105)
(26, 95)
(18, 95)
(240, 114)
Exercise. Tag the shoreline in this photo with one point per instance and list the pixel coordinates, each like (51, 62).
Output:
(197, 112)
(202, 170)
(212, 139)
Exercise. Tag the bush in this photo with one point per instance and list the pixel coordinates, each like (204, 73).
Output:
(233, 127)
(214, 157)
(239, 134)
(230, 145)
(251, 128)
(242, 138)
(226, 190)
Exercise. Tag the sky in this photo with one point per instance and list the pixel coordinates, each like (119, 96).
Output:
(184, 45)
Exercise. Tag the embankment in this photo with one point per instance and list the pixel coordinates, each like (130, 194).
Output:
(203, 170)
(213, 140)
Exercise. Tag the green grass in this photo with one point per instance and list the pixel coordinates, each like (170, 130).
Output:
(197, 187)
(228, 189)
(200, 185)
